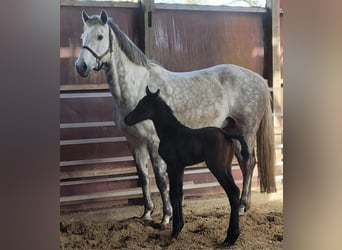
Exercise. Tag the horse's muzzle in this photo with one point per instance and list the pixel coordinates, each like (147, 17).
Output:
(82, 68)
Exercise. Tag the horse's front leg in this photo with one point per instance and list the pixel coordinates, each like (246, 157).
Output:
(159, 168)
(140, 154)
(176, 174)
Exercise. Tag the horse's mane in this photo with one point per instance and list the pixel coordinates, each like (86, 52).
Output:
(132, 52)
(166, 108)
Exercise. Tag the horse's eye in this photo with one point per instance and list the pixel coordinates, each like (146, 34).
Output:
(99, 37)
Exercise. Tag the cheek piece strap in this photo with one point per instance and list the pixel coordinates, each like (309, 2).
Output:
(99, 57)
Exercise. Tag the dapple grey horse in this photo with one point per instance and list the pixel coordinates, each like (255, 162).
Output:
(199, 98)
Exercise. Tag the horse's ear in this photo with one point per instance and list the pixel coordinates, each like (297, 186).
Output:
(157, 93)
(148, 92)
(104, 16)
(85, 16)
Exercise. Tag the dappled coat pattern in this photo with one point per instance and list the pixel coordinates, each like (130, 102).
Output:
(199, 98)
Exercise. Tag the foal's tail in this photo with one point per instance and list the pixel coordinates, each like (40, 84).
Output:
(266, 151)
(232, 134)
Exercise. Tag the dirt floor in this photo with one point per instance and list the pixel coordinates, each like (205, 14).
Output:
(206, 221)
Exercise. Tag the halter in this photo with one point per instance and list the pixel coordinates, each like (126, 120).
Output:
(99, 58)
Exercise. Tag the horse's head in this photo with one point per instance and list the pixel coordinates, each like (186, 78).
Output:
(96, 43)
(145, 108)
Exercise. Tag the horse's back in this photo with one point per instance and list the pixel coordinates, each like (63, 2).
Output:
(206, 97)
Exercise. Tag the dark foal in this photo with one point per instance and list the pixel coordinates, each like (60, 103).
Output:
(181, 146)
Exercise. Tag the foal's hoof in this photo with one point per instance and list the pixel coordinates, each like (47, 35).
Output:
(230, 240)
(174, 235)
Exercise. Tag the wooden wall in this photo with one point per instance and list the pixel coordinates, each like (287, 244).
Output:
(96, 168)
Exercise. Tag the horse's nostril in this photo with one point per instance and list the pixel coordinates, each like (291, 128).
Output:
(84, 66)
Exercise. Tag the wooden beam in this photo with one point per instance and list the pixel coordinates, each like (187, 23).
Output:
(275, 76)
(98, 4)
(149, 34)
(78, 87)
(196, 7)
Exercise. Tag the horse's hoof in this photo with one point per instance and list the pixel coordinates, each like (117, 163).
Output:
(242, 210)
(166, 220)
(147, 215)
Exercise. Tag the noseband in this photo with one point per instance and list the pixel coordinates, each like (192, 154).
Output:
(99, 58)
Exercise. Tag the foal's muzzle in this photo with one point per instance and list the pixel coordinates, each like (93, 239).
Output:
(128, 120)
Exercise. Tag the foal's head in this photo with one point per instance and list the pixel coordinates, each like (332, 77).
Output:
(145, 109)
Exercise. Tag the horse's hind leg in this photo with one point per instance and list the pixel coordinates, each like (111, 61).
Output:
(160, 173)
(140, 155)
(247, 168)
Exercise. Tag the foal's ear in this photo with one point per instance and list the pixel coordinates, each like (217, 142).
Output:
(85, 16)
(104, 16)
(157, 93)
(148, 92)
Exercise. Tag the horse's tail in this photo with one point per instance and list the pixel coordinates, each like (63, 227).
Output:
(232, 134)
(266, 151)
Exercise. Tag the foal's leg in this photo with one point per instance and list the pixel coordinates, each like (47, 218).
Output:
(225, 178)
(176, 174)
(160, 173)
(140, 155)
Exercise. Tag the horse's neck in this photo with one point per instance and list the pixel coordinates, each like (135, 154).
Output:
(166, 124)
(126, 80)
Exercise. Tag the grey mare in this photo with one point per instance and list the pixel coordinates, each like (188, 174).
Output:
(199, 98)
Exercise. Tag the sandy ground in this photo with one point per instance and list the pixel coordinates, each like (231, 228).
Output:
(206, 221)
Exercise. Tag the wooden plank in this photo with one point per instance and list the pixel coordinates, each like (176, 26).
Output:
(100, 196)
(88, 181)
(87, 124)
(83, 107)
(133, 193)
(94, 94)
(92, 151)
(92, 140)
(94, 205)
(188, 175)
(221, 8)
(120, 194)
(77, 133)
(95, 161)
(99, 4)
(78, 87)
(97, 172)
